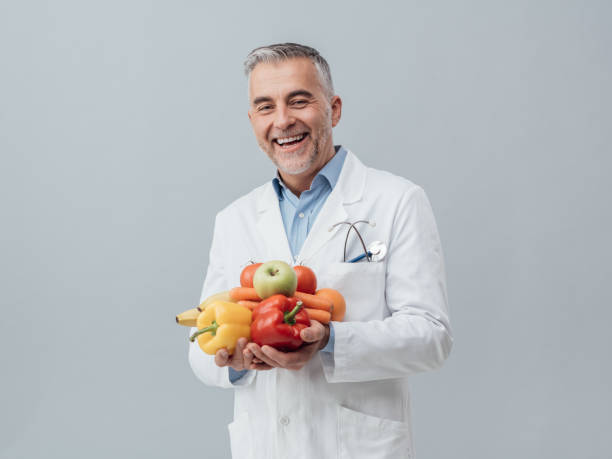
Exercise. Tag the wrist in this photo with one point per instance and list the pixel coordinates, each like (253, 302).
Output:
(325, 338)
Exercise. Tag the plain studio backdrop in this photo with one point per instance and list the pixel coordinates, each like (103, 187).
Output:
(123, 130)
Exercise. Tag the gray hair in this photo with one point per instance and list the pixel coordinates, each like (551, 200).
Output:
(284, 51)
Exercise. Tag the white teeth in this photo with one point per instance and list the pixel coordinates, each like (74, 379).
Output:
(290, 139)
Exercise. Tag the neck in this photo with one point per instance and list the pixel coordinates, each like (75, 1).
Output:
(302, 182)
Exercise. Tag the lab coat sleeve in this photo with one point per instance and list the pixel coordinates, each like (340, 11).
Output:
(202, 364)
(416, 336)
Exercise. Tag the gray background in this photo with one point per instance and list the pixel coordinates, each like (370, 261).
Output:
(123, 129)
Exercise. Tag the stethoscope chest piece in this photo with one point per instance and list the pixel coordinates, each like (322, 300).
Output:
(378, 250)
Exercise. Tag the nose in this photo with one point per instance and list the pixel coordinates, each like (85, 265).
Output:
(283, 118)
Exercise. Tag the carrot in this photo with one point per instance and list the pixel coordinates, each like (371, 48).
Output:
(249, 304)
(314, 302)
(244, 293)
(319, 315)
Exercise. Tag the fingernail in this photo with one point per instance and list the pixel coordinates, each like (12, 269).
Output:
(248, 355)
(307, 335)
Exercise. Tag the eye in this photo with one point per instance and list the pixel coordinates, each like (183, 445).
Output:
(299, 102)
(263, 108)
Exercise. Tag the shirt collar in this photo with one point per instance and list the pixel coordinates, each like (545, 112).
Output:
(330, 173)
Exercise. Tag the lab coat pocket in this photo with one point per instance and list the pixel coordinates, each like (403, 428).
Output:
(362, 285)
(363, 436)
(240, 437)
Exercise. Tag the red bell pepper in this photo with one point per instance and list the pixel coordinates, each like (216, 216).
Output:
(278, 321)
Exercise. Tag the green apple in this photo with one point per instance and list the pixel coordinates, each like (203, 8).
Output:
(274, 277)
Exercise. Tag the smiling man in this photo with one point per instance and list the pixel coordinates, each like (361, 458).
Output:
(292, 111)
(344, 393)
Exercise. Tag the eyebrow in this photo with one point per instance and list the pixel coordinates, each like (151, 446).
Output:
(298, 92)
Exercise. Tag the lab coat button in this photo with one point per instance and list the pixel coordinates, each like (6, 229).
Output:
(284, 420)
(301, 215)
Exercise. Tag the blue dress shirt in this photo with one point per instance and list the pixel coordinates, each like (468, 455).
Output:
(299, 215)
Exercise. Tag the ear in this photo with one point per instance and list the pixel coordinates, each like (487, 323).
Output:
(336, 106)
(249, 115)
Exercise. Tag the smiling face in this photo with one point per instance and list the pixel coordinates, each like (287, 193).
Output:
(291, 116)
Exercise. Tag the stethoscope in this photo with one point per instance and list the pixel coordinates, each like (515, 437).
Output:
(376, 250)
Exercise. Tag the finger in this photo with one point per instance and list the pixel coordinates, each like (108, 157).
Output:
(275, 355)
(253, 363)
(221, 357)
(237, 362)
(259, 355)
(247, 357)
(260, 366)
(315, 332)
(257, 352)
(292, 360)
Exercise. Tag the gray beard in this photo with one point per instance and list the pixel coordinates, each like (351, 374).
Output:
(314, 157)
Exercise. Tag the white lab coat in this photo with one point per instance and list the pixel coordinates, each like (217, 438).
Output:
(355, 402)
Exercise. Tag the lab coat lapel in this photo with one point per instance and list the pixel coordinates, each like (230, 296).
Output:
(270, 226)
(332, 212)
(348, 189)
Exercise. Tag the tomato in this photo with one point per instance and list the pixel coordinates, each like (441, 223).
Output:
(246, 276)
(307, 281)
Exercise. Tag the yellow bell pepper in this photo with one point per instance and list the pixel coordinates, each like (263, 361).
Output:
(189, 318)
(220, 325)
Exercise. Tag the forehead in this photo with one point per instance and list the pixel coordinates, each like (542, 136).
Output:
(276, 79)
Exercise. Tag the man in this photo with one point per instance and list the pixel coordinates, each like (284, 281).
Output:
(345, 392)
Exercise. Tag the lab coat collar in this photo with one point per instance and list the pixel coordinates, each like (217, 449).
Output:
(328, 174)
(349, 189)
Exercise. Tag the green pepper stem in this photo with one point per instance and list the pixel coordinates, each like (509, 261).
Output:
(212, 327)
(290, 316)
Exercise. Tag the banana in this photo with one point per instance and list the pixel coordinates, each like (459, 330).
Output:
(188, 318)
(221, 296)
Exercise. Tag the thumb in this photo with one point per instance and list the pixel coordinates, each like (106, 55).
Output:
(311, 334)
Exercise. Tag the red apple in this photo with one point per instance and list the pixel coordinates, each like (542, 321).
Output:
(306, 279)
(246, 276)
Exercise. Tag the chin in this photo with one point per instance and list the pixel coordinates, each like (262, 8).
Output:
(294, 166)
(292, 169)
(294, 163)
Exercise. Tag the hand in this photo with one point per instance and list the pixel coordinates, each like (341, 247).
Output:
(236, 361)
(316, 337)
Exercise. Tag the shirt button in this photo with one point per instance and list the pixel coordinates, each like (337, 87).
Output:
(284, 420)
(301, 215)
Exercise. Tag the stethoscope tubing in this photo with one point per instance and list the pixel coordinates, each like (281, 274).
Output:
(366, 253)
